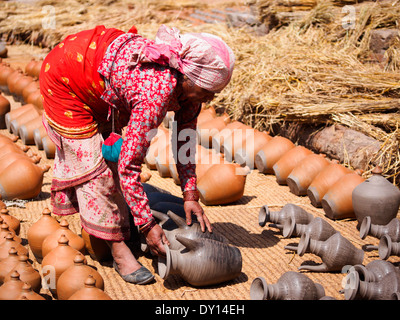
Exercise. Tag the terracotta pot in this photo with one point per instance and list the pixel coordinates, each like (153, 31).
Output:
(284, 166)
(21, 84)
(5, 107)
(388, 248)
(392, 229)
(206, 114)
(11, 289)
(290, 286)
(36, 68)
(60, 259)
(36, 99)
(17, 112)
(28, 294)
(8, 150)
(11, 157)
(325, 179)
(236, 140)
(31, 88)
(223, 140)
(5, 71)
(8, 244)
(51, 241)
(247, 154)
(24, 118)
(29, 66)
(376, 197)
(163, 159)
(278, 218)
(373, 271)
(29, 177)
(207, 129)
(90, 292)
(8, 264)
(73, 279)
(13, 78)
(26, 130)
(4, 232)
(27, 274)
(12, 221)
(304, 173)
(162, 138)
(97, 248)
(38, 135)
(335, 252)
(42, 228)
(145, 176)
(271, 152)
(222, 184)
(337, 202)
(203, 262)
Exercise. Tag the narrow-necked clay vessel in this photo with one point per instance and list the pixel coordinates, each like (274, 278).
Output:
(90, 291)
(51, 241)
(337, 202)
(29, 66)
(12, 221)
(97, 248)
(28, 294)
(8, 244)
(388, 248)
(43, 227)
(271, 152)
(10, 290)
(376, 197)
(374, 271)
(26, 273)
(382, 289)
(290, 286)
(284, 166)
(5, 107)
(392, 229)
(73, 279)
(246, 155)
(336, 252)
(278, 218)
(304, 173)
(324, 180)
(203, 262)
(8, 264)
(5, 230)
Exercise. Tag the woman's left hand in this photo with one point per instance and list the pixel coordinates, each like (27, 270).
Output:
(193, 207)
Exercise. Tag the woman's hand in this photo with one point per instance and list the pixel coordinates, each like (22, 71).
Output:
(156, 239)
(193, 207)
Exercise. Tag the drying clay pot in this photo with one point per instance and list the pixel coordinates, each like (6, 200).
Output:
(163, 159)
(90, 292)
(278, 218)
(376, 197)
(162, 137)
(373, 271)
(284, 166)
(36, 99)
(337, 202)
(11, 243)
(236, 141)
(36, 68)
(225, 139)
(29, 66)
(27, 274)
(13, 78)
(73, 279)
(42, 228)
(26, 130)
(11, 289)
(336, 252)
(392, 229)
(8, 264)
(5, 230)
(271, 152)
(290, 286)
(5, 107)
(29, 89)
(28, 294)
(38, 135)
(12, 221)
(304, 173)
(246, 155)
(13, 114)
(388, 248)
(20, 85)
(203, 262)
(207, 129)
(49, 147)
(5, 71)
(97, 248)
(17, 122)
(206, 115)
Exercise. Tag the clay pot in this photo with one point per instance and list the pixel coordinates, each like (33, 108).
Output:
(11, 149)
(284, 166)
(388, 248)
(377, 290)
(73, 279)
(236, 140)
(223, 141)
(278, 218)
(203, 262)
(206, 115)
(26, 130)
(24, 118)
(373, 271)
(38, 135)
(163, 160)
(31, 88)
(42, 228)
(27, 274)
(20, 85)
(26, 108)
(36, 68)
(162, 138)
(36, 99)
(11, 243)
(29, 177)
(12, 157)
(376, 197)
(325, 179)
(5, 71)
(8, 264)
(271, 152)
(337, 202)
(335, 252)
(3, 50)
(247, 154)
(13, 78)
(145, 176)
(60, 258)
(90, 292)
(97, 248)
(51, 241)
(304, 173)
(29, 66)
(11, 289)
(28, 294)
(392, 229)
(12, 221)
(222, 184)
(5, 107)
(5, 230)
(290, 286)
(207, 129)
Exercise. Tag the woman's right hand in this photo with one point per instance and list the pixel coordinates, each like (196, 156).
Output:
(156, 239)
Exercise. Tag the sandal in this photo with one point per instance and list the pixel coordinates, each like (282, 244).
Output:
(140, 276)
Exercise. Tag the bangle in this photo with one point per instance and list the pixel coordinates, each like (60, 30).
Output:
(147, 226)
(191, 195)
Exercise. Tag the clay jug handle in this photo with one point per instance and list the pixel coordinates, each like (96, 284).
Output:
(291, 247)
(318, 268)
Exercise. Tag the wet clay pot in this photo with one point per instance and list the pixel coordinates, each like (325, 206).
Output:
(284, 166)
(222, 184)
(36, 99)
(336, 252)
(382, 289)
(11, 150)
(373, 271)
(29, 89)
(376, 197)
(90, 292)
(246, 155)
(36, 68)
(12, 221)
(5, 107)
(42, 228)
(388, 248)
(203, 262)
(27, 274)
(51, 241)
(271, 152)
(73, 279)
(8, 264)
(27, 128)
(304, 173)
(325, 179)
(207, 129)
(11, 289)
(392, 229)
(97, 248)
(14, 113)
(290, 286)
(13, 78)
(278, 218)
(11, 243)
(337, 202)
(28, 294)
(22, 179)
